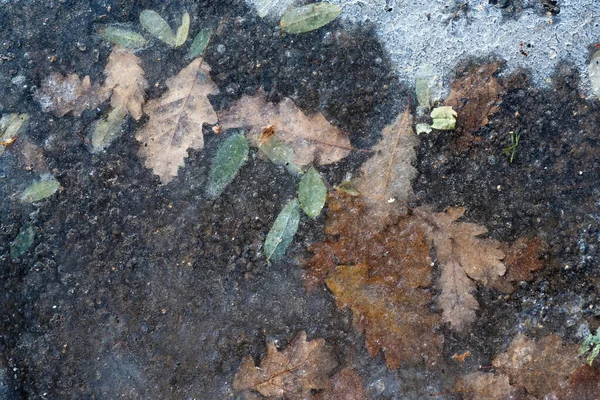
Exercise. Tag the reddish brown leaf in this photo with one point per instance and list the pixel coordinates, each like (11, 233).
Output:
(523, 258)
(393, 316)
(485, 386)
(288, 374)
(62, 94)
(541, 366)
(475, 97)
(584, 384)
(345, 385)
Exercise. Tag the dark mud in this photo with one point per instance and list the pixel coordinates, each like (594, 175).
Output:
(135, 290)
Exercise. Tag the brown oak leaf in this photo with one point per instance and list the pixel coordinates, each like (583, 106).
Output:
(176, 120)
(288, 374)
(345, 385)
(488, 386)
(311, 137)
(125, 78)
(386, 178)
(62, 94)
(475, 97)
(541, 366)
(393, 316)
(523, 258)
(461, 255)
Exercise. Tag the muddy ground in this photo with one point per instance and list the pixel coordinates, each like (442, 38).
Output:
(136, 290)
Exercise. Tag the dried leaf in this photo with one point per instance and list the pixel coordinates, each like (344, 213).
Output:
(583, 384)
(62, 94)
(460, 253)
(289, 374)
(125, 38)
(523, 258)
(157, 26)
(385, 183)
(227, 162)
(125, 78)
(312, 138)
(40, 190)
(594, 73)
(487, 386)
(391, 316)
(345, 385)
(475, 97)
(11, 125)
(23, 241)
(309, 17)
(312, 193)
(540, 367)
(183, 30)
(200, 42)
(176, 120)
(30, 155)
(283, 231)
(106, 130)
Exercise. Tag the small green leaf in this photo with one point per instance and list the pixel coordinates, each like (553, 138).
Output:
(444, 118)
(312, 193)
(280, 154)
(423, 128)
(423, 92)
(40, 190)
(157, 26)
(11, 125)
(200, 42)
(309, 17)
(227, 162)
(283, 230)
(347, 187)
(106, 130)
(183, 30)
(122, 37)
(23, 241)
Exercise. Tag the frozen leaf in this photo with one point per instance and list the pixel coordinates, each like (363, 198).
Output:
(183, 30)
(591, 344)
(387, 175)
(423, 128)
(283, 230)
(423, 92)
(347, 187)
(125, 38)
(392, 317)
(125, 78)
(200, 42)
(30, 155)
(176, 120)
(23, 241)
(460, 253)
(280, 154)
(309, 17)
(523, 258)
(292, 373)
(230, 157)
(488, 386)
(345, 385)
(312, 193)
(444, 118)
(312, 138)
(157, 27)
(11, 125)
(594, 73)
(541, 366)
(583, 384)
(475, 97)
(40, 190)
(62, 94)
(107, 129)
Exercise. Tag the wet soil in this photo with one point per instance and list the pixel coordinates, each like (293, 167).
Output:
(137, 290)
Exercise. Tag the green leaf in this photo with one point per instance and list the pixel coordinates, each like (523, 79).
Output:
(200, 42)
(283, 230)
(280, 154)
(183, 30)
(226, 164)
(106, 130)
(40, 190)
(444, 118)
(347, 187)
(423, 92)
(423, 128)
(11, 125)
(309, 17)
(23, 241)
(157, 26)
(312, 193)
(122, 37)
